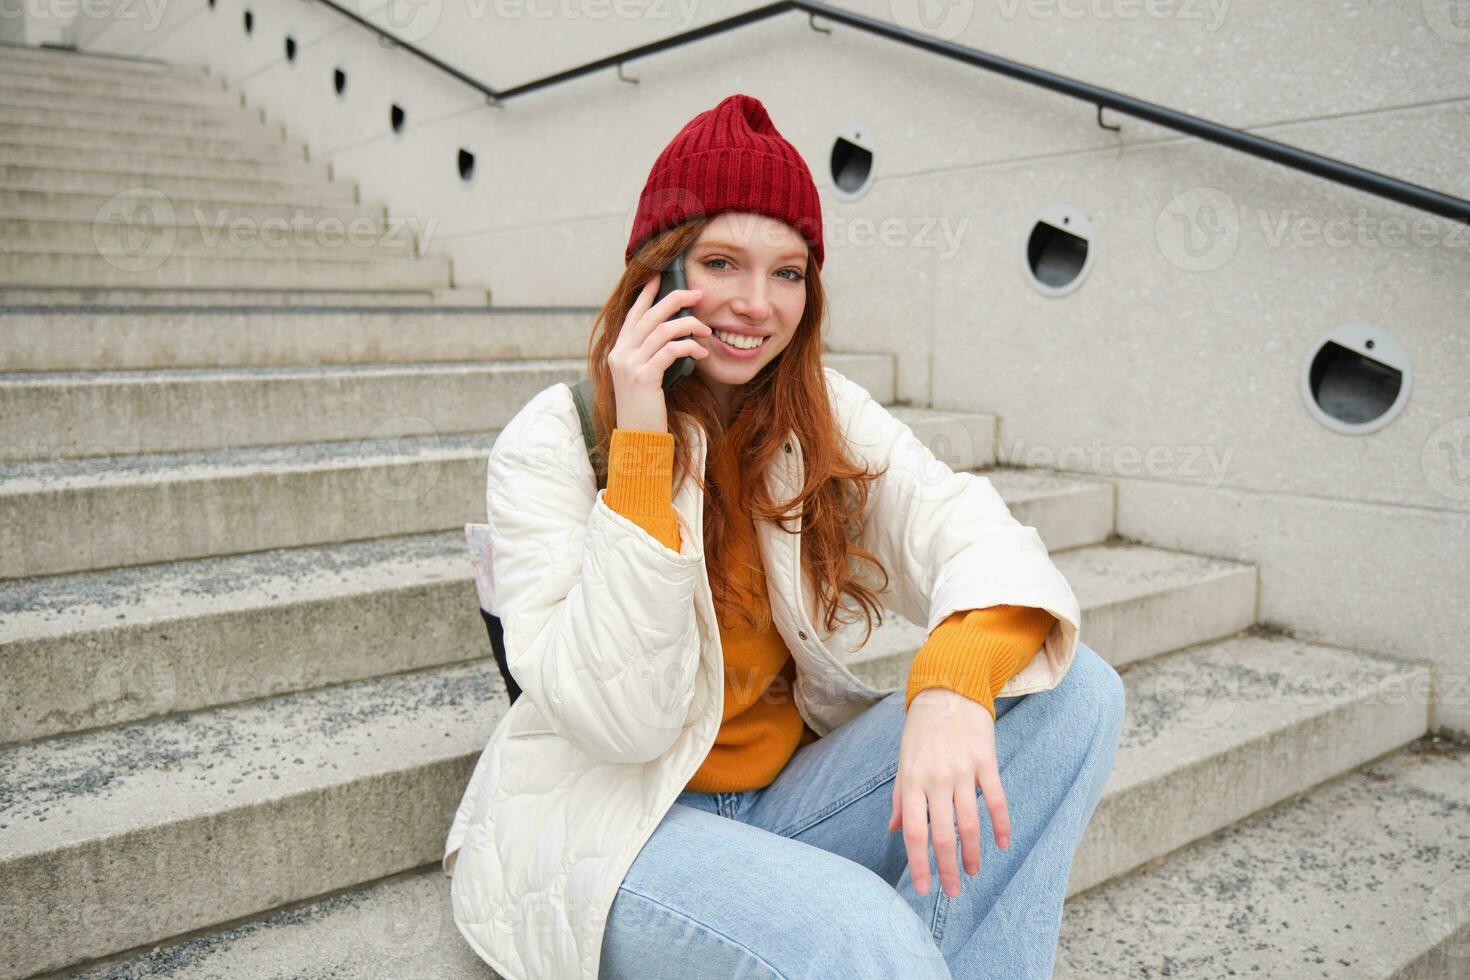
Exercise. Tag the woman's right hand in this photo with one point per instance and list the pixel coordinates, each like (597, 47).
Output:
(645, 348)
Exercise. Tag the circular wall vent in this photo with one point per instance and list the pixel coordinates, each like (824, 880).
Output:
(1059, 250)
(851, 163)
(1355, 379)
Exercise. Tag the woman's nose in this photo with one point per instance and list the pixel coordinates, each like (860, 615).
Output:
(753, 302)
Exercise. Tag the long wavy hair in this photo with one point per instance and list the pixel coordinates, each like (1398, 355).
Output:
(788, 394)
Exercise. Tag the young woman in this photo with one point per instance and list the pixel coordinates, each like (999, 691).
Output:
(692, 784)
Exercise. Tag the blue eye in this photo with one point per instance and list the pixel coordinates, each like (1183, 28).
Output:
(798, 276)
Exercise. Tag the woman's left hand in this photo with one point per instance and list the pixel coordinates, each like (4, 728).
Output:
(948, 749)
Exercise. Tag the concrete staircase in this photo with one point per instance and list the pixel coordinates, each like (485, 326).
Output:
(243, 680)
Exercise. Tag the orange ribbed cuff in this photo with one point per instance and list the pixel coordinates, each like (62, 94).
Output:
(640, 482)
(976, 651)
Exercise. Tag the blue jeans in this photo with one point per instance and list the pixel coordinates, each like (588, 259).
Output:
(802, 879)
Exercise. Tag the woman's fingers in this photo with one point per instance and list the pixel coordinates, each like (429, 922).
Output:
(967, 817)
(671, 332)
(641, 304)
(995, 802)
(645, 316)
(941, 826)
(916, 837)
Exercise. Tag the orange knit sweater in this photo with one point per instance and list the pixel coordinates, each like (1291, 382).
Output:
(973, 651)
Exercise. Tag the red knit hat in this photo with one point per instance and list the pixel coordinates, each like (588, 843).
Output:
(729, 158)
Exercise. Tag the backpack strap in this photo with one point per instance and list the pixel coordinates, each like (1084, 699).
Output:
(582, 395)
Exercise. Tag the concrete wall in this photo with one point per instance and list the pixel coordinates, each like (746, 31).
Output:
(1173, 367)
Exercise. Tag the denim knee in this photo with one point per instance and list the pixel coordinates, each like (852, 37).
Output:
(1097, 688)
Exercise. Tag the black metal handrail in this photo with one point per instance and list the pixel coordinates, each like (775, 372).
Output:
(1414, 195)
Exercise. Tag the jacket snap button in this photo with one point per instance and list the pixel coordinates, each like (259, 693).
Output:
(556, 696)
(801, 633)
(788, 447)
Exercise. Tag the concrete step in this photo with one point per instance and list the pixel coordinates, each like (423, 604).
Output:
(875, 372)
(94, 63)
(138, 160)
(129, 300)
(396, 928)
(222, 833)
(80, 652)
(166, 92)
(85, 651)
(1067, 511)
(137, 243)
(49, 416)
(165, 268)
(1287, 909)
(963, 440)
(146, 141)
(63, 103)
(240, 407)
(1363, 877)
(1137, 602)
(238, 500)
(69, 122)
(150, 78)
(147, 830)
(110, 180)
(403, 477)
(1224, 729)
(19, 201)
(60, 339)
(117, 71)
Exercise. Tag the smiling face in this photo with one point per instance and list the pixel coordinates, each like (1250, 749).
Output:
(752, 269)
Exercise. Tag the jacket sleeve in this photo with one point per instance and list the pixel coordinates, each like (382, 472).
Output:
(946, 538)
(599, 616)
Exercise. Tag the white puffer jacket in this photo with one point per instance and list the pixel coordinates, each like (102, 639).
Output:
(614, 640)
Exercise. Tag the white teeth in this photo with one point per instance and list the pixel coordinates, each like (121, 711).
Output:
(739, 340)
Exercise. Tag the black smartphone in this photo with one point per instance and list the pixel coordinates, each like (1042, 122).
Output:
(672, 279)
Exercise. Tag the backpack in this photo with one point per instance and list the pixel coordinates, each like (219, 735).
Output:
(477, 537)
